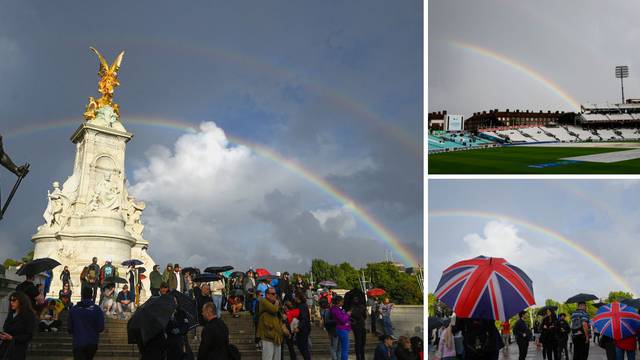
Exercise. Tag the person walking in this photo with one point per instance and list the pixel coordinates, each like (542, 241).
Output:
(85, 323)
(270, 326)
(215, 335)
(178, 347)
(169, 277)
(92, 277)
(358, 325)
(505, 331)
(626, 346)
(549, 335)
(217, 289)
(385, 311)
(304, 326)
(18, 328)
(249, 287)
(65, 276)
(446, 344)
(580, 332)
(343, 325)
(155, 279)
(563, 338)
(330, 326)
(522, 333)
(373, 304)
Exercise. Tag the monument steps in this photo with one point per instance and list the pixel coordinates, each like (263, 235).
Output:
(113, 341)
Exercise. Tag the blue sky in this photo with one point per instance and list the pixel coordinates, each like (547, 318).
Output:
(599, 215)
(310, 81)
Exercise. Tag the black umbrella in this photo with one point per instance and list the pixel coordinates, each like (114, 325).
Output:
(218, 269)
(434, 322)
(141, 270)
(191, 270)
(598, 304)
(134, 262)
(207, 277)
(119, 280)
(188, 305)
(236, 274)
(37, 266)
(351, 295)
(581, 298)
(150, 319)
(543, 310)
(631, 302)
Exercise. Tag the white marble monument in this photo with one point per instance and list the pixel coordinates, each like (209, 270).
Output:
(92, 214)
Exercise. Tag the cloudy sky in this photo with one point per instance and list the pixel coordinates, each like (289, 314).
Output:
(333, 86)
(569, 236)
(536, 55)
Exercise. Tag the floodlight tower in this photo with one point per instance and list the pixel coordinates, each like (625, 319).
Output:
(622, 71)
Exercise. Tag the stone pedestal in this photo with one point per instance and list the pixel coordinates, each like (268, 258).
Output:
(92, 214)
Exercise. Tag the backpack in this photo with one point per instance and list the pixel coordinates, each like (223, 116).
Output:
(234, 353)
(329, 322)
(477, 338)
(108, 272)
(576, 323)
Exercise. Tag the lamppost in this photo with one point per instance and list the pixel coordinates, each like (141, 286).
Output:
(622, 71)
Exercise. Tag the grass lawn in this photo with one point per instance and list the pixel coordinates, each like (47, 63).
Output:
(516, 160)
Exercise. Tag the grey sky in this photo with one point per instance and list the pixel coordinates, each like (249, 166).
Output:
(574, 44)
(553, 229)
(320, 83)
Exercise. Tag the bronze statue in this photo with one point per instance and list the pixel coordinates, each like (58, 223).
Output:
(20, 171)
(106, 86)
(6, 161)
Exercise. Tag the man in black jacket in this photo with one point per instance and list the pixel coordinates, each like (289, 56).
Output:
(215, 335)
(563, 337)
(522, 333)
(28, 288)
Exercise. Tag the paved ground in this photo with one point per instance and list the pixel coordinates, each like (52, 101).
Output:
(608, 157)
(595, 353)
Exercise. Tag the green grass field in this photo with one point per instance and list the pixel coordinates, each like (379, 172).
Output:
(516, 160)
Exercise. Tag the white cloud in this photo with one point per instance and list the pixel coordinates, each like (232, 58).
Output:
(338, 220)
(501, 239)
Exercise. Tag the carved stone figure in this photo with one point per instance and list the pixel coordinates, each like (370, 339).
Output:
(56, 214)
(132, 213)
(106, 195)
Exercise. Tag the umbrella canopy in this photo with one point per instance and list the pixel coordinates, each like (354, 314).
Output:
(616, 320)
(207, 277)
(189, 306)
(581, 298)
(262, 272)
(434, 322)
(266, 277)
(599, 304)
(119, 280)
(141, 270)
(134, 262)
(37, 266)
(150, 319)
(218, 269)
(632, 302)
(485, 288)
(543, 310)
(375, 292)
(236, 274)
(328, 283)
(191, 270)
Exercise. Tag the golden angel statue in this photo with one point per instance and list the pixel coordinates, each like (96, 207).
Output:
(108, 82)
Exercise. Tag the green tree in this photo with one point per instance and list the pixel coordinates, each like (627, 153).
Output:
(618, 295)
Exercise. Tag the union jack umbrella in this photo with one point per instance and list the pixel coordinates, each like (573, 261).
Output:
(616, 320)
(485, 288)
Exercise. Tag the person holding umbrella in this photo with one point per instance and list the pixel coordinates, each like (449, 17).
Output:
(580, 332)
(28, 288)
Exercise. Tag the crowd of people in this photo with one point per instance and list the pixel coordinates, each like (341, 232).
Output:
(554, 335)
(283, 312)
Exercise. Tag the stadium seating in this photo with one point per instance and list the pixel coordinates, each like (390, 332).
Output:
(560, 133)
(516, 137)
(455, 141)
(582, 134)
(619, 117)
(537, 134)
(630, 134)
(608, 135)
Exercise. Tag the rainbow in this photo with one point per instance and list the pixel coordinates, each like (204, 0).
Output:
(552, 234)
(362, 112)
(407, 256)
(555, 88)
